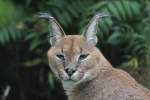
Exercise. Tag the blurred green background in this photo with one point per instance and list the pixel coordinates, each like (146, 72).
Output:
(124, 38)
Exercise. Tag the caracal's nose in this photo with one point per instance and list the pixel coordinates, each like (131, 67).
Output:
(70, 71)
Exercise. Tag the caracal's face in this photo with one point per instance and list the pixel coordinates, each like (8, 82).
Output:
(73, 59)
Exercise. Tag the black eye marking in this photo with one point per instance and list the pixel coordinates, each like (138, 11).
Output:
(60, 56)
(83, 56)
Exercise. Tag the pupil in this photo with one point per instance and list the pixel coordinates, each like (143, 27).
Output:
(61, 56)
(83, 56)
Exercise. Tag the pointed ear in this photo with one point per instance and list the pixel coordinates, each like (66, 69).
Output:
(56, 32)
(90, 32)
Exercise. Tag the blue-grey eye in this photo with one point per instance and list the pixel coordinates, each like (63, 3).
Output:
(83, 56)
(60, 56)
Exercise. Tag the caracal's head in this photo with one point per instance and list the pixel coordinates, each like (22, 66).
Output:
(73, 58)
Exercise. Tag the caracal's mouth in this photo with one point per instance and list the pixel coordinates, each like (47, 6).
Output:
(74, 77)
(70, 79)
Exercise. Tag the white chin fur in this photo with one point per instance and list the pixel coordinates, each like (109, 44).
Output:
(68, 85)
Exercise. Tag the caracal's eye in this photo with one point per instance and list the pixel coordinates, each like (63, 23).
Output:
(60, 56)
(83, 56)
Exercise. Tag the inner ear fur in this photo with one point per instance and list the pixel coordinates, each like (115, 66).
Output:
(91, 31)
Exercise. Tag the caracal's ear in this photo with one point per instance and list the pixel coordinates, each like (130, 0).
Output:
(56, 32)
(90, 32)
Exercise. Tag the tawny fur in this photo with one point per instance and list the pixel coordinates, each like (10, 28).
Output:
(106, 82)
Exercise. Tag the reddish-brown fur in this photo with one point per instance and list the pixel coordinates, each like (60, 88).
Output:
(108, 83)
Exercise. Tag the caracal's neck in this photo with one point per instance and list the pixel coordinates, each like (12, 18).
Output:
(103, 62)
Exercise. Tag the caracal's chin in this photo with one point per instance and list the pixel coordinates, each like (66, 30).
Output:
(70, 82)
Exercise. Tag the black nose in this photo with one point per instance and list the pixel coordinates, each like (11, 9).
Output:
(69, 71)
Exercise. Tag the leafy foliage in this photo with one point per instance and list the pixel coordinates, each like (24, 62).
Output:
(9, 18)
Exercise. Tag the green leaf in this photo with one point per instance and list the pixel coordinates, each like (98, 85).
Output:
(34, 44)
(5, 34)
(30, 36)
(12, 33)
(135, 8)
(113, 10)
(72, 12)
(126, 4)
(115, 38)
(120, 9)
(2, 40)
(98, 6)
